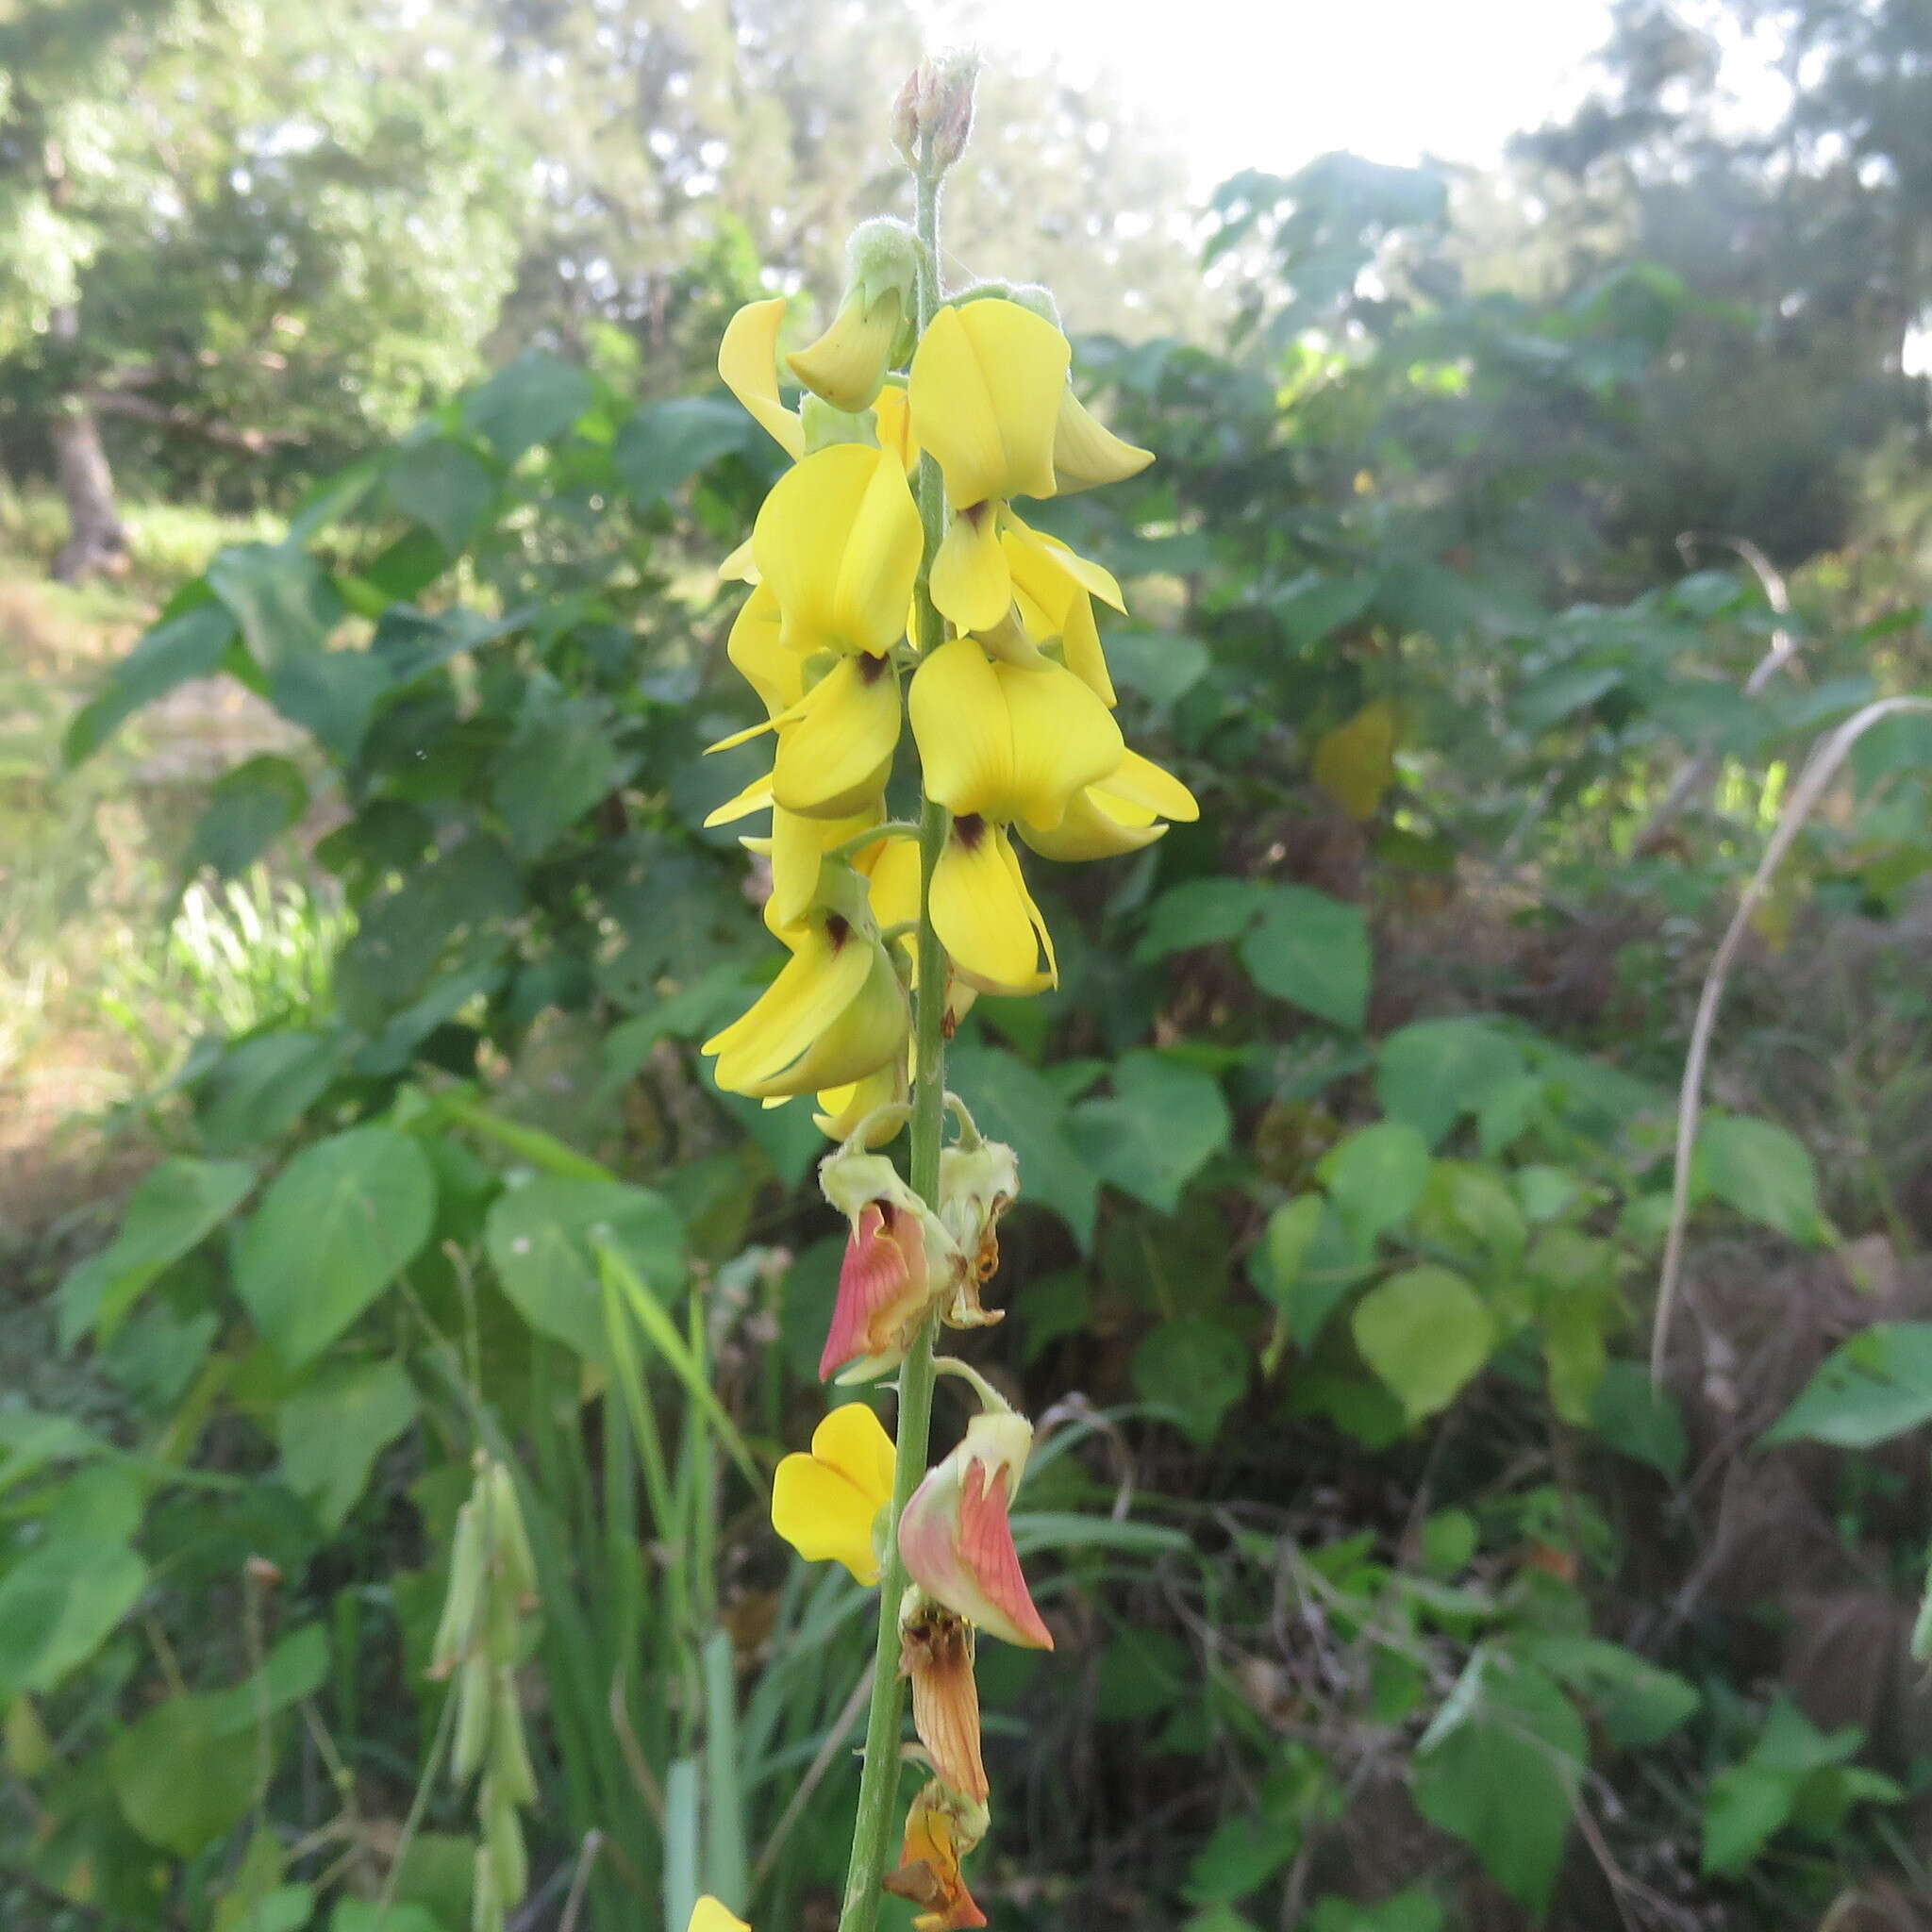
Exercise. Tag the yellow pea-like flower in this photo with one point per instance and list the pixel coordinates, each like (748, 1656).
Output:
(838, 542)
(748, 361)
(1128, 808)
(986, 384)
(826, 1504)
(984, 915)
(709, 1915)
(1086, 453)
(1004, 740)
(836, 1013)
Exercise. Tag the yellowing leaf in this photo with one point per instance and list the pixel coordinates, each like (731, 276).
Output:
(1354, 764)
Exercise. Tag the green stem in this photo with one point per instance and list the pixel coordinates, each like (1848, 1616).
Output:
(878, 1785)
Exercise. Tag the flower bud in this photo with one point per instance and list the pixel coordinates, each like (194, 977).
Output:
(956, 1536)
(940, 1829)
(873, 330)
(935, 107)
(936, 1657)
(899, 1259)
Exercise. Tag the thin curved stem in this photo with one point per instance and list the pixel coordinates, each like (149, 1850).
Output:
(878, 1785)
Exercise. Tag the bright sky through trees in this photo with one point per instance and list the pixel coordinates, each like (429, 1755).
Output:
(1269, 83)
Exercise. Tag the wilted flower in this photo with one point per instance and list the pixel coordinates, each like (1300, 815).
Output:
(956, 1536)
(936, 1658)
(940, 1829)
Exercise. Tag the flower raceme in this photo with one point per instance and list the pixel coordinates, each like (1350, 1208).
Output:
(1012, 714)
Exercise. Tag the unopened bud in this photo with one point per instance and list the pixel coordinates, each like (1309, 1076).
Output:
(933, 114)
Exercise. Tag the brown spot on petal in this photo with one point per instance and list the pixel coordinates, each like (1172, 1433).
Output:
(838, 930)
(872, 669)
(969, 828)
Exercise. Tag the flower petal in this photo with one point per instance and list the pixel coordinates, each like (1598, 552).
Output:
(836, 752)
(838, 540)
(759, 655)
(986, 1549)
(1138, 781)
(798, 845)
(971, 582)
(748, 361)
(847, 364)
(868, 1034)
(1087, 453)
(1063, 739)
(757, 797)
(816, 986)
(882, 1280)
(708, 1915)
(854, 1442)
(824, 1516)
(958, 718)
(983, 914)
(985, 385)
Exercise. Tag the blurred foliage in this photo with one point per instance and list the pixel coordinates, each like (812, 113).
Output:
(1392, 1595)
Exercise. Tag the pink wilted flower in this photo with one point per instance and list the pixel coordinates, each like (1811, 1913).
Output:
(956, 1536)
(899, 1260)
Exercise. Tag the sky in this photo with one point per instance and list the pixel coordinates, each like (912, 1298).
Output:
(1270, 83)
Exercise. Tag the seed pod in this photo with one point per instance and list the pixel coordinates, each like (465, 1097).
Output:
(510, 1538)
(502, 1838)
(510, 1750)
(475, 1695)
(456, 1629)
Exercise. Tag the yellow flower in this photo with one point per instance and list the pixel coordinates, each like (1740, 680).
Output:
(986, 386)
(759, 655)
(1121, 812)
(838, 542)
(836, 1011)
(748, 361)
(708, 1915)
(985, 389)
(1004, 740)
(984, 915)
(824, 1505)
(1054, 589)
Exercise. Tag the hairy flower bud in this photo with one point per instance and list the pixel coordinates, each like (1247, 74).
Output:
(935, 107)
(978, 1184)
(956, 1536)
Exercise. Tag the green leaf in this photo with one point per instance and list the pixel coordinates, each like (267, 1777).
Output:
(368, 1915)
(1375, 1176)
(184, 1813)
(443, 487)
(1313, 952)
(179, 1204)
(281, 598)
(331, 1431)
(535, 399)
(177, 650)
(1196, 1371)
(1150, 1139)
(59, 1603)
(1012, 1103)
(336, 1226)
(1435, 1072)
(559, 763)
(1335, 1262)
(332, 695)
(1467, 1211)
(287, 1908)
(1870, 1388)
(1499, 1769)
(1291, 1230)
(1743, 1808)
(1638, 1703)
(1636, 1420)
(541, 1239)
(31, 1440)
(248, 808)
(1413, 1909)
(1761, 1170)
(1240, 1856)
(1200, 913)
(261, 1087)
(1424, 1333)
(665, 443)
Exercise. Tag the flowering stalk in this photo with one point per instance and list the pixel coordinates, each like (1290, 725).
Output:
(878, 1789)
(893, 929)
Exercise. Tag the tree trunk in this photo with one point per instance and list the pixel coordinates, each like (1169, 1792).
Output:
(96, 540)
